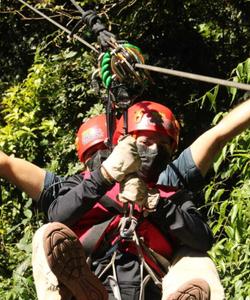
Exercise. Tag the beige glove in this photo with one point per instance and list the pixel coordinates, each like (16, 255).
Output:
(123, 160)
(133, 189)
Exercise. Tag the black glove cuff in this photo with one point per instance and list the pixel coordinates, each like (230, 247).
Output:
(102, 181)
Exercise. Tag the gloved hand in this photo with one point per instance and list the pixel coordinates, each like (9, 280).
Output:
(133, 189)
(123, 160)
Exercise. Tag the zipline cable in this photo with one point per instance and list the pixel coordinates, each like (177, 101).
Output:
(214, 80)
(59, 26)
(77, 6)
(193, 76)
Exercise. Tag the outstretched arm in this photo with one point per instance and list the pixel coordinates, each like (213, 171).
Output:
(23, 174)
(208, 145)
(178, 216)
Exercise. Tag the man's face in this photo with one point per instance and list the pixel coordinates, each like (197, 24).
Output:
(151, 139)
(155, 152)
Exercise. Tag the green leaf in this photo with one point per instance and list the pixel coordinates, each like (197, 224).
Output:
(218, 194)
(28, 213)
(239, 70)
(229, 231)
(234, 212)
(217, 163)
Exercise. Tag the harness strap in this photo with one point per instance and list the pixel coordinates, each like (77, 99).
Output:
(96, 232)
(111, 205)
(144, 283)
(178, 173)
(94, 235)
(144, 263)
(110, 121)
(115, 287)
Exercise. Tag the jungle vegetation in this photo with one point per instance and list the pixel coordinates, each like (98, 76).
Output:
(45, 84)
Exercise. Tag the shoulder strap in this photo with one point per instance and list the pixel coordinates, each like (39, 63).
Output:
(111, 205)
(178, 173)
(93, 236)
(96, 232)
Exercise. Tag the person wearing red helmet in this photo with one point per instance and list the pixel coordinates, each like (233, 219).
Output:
(131, 163)
(85, 202)
(156, 130)
(92, 140)
(174, 220)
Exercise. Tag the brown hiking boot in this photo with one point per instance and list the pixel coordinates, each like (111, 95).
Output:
(66, 258)
(196, 289)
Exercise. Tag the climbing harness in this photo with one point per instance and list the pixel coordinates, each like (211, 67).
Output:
(128, 223)
(127, 233)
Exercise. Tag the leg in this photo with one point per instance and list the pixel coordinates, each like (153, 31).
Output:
(188, 267)
(66, 259)
(47, 285)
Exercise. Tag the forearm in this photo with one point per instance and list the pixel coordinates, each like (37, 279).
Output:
(192, 231)
(205, 149)
(23, 174)
(234, 123)
(72, 203)
(180, 217)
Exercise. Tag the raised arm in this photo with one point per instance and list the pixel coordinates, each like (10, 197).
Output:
(208, 145)
(23, 174)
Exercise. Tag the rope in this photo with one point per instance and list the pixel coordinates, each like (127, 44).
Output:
(77, 7)
(59, 26)
(214, 80)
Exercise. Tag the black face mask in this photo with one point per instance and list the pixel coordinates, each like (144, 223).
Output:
(96, 160)
(153, 162)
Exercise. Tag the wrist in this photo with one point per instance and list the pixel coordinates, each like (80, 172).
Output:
(106, 175)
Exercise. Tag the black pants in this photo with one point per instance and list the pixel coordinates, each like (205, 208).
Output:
(129, 279)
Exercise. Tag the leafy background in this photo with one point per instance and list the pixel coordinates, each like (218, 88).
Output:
(46, 93)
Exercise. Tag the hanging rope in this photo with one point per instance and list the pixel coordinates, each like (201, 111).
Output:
(193, 76)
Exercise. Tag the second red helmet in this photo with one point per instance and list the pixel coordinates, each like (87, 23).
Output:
(91, 137)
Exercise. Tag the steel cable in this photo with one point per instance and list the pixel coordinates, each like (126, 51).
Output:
(193, 76)
(214, 80)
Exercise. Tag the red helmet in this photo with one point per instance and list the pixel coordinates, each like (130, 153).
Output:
(91, 137)
(150, 116)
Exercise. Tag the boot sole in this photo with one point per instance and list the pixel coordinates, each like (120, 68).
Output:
(196, 289)
(66, 258)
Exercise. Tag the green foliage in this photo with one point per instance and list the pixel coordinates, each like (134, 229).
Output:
(45, 95)
(228, 198)
(39, 117)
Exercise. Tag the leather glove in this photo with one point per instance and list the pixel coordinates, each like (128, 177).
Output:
(133, 189)
(123, 160)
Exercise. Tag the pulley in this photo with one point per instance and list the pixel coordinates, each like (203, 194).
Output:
(118, 64)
